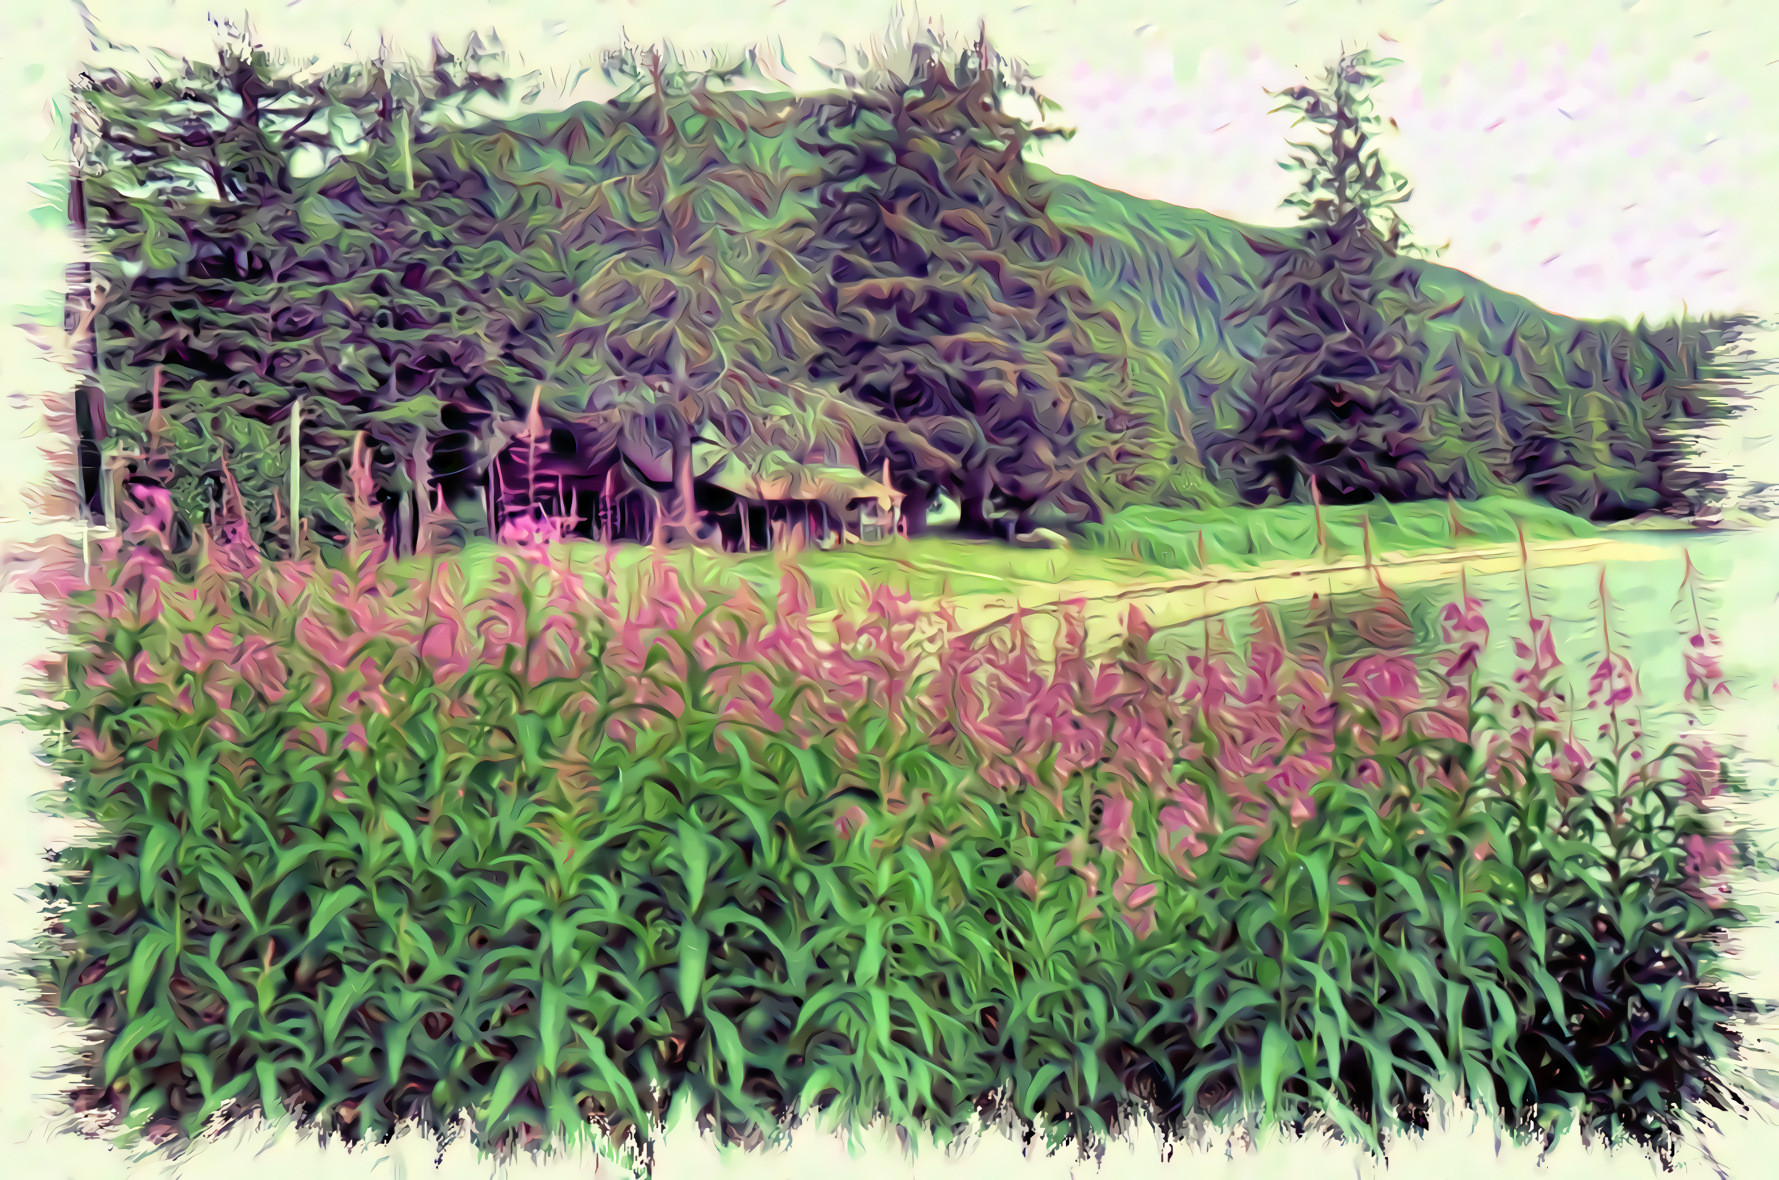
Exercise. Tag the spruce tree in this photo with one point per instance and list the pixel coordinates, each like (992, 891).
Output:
(944, 307)
(1344, 393)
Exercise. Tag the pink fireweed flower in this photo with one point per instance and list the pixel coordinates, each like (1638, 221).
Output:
(1464, 617)
(1701, 772)
(1183, 824)
(532, 531)
(223, 696)
(441, 649)
(1704, 675)
(335, 650)
(1466, 632)
(152, 513)
(1136, 899)
(199, 653)
(1541, 654)
(1115, 828)
(557, 651)
(1385, 686)
(1613, 682)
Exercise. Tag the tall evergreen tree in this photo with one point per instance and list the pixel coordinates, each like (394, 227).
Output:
(184, 195)
(671, 313)
(943, 304)
(272, 232)
(1344, 393)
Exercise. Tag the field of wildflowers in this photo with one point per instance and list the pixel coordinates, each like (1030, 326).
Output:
(371, 848)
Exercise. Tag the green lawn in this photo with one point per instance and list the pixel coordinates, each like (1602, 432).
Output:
(1242, 538)
(1143, 544)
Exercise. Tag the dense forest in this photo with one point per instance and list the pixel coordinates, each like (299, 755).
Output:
(712, 311)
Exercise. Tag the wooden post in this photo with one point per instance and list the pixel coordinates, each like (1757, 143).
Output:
(499, 498)
(1321, 526)
(420, 468)
(296, 476)
(534, 426)
(407, 134)
(83, 508)
(608, 510)
(108, 463)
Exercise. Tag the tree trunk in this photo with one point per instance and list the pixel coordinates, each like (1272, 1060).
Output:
(972, 516)
(296, 477)
(973, 503)
(914, 511)
(425, 519)
(688, 504)
(686, 522)
(607, 510)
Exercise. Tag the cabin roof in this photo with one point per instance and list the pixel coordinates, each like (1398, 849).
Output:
(787, 480)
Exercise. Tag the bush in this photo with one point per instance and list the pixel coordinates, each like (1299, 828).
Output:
(374, 851)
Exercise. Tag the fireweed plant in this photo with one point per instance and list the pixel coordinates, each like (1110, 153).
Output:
(372, 850)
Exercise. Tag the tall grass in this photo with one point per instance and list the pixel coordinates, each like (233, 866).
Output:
(373, 849)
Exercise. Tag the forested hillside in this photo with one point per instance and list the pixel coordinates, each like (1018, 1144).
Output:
(1566, 390)
(709, 311)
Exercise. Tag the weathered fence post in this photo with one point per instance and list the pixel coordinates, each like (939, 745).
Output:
(296, 477)
(1321, 526)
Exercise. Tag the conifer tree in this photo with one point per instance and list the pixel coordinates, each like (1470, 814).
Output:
(943, 306)
(1344, 393)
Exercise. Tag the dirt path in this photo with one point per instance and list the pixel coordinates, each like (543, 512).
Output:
(1175, 601)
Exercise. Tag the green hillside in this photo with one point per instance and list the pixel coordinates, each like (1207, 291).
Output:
(1190, 284)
